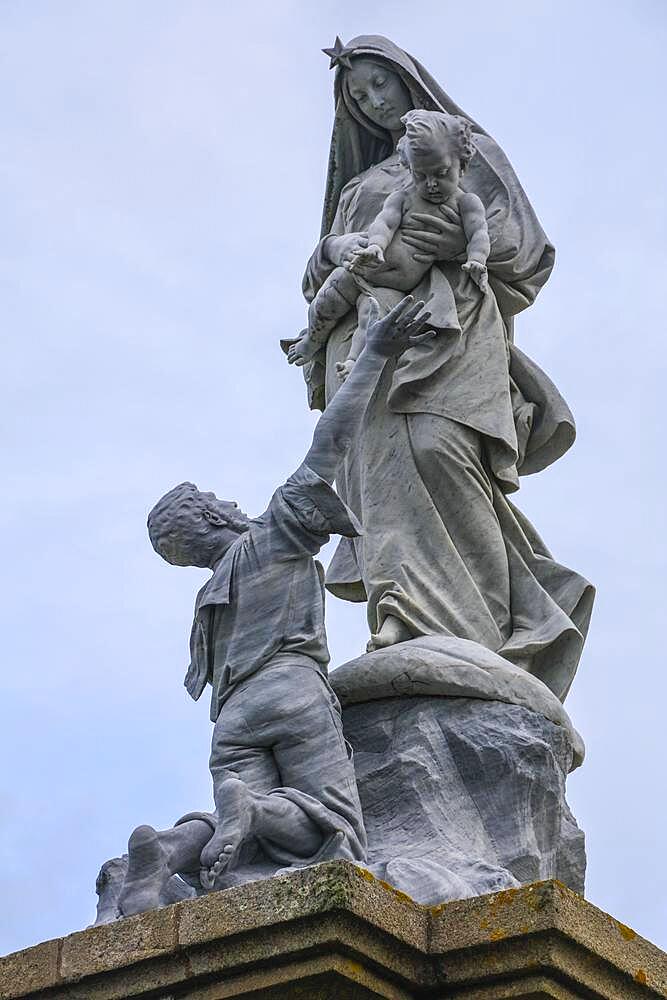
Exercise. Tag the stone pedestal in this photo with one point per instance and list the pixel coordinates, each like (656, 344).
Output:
(461, 760)
(463, 797)
(337, 933)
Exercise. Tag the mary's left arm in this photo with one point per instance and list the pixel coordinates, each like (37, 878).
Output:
(522, 257)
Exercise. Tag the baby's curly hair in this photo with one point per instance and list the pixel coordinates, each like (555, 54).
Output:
(428, 130)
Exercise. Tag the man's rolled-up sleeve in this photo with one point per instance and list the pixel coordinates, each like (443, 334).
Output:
(303, 513)
(318, 506)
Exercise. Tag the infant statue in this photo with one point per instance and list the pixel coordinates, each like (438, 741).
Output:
(436, 149)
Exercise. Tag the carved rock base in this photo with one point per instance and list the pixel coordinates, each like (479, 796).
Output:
(463, 797)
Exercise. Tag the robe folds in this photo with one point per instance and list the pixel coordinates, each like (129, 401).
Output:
(454, 422)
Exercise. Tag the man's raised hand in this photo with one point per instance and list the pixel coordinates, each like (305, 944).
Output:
(404, 326)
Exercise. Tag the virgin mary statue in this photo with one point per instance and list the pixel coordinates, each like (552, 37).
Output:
(457, 420)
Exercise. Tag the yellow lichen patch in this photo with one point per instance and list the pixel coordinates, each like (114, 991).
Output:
(626, 932)
(403, 896)
(435, 911)
(536, 896)
(641, 977)
(497, 935)
(355, 970)
(483, 924)
(369, 876)
(505, 898)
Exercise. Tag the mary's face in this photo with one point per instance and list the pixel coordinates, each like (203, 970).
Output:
(379, 92)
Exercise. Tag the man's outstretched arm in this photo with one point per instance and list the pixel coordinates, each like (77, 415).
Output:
(386, 338)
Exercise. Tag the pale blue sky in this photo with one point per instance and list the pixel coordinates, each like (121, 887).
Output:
(161, 180)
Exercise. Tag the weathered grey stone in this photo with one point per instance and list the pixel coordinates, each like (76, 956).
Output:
(118, 944)
(30, 971)
(516, 935)
(335, 931)
(463, 797)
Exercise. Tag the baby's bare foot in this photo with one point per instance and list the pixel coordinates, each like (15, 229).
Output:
(108, 887)
(302, 351)
(295, 354)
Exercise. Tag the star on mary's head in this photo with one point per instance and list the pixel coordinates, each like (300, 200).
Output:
(340, 55)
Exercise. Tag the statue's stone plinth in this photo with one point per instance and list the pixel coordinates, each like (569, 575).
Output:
(463, 797)
(461, 761)
(334, 931)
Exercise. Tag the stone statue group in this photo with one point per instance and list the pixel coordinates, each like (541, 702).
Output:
(429, 248)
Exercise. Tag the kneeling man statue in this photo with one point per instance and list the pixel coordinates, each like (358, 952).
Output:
(283, 781)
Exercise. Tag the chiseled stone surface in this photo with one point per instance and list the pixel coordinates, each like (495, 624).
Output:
(463, 797)
(336, 931)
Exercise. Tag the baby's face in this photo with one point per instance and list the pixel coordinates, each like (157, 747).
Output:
(436, 174)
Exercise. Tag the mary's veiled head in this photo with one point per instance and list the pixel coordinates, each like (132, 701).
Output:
(376, 83)
(374, 91)
(362, 141)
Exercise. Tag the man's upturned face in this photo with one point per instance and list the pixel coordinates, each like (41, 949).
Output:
(200, 533)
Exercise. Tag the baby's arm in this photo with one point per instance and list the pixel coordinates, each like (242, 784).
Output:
(473, 217)
(383, 228)
(381, 231)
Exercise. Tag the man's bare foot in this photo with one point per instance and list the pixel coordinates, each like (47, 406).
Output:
(236, 807)
(393, 630)
(147, 873)
(108, 887)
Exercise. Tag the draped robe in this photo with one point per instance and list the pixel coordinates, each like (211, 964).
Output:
(453, 423)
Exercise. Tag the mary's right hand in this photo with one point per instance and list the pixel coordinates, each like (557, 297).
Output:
(434, 238)
(341, 249)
